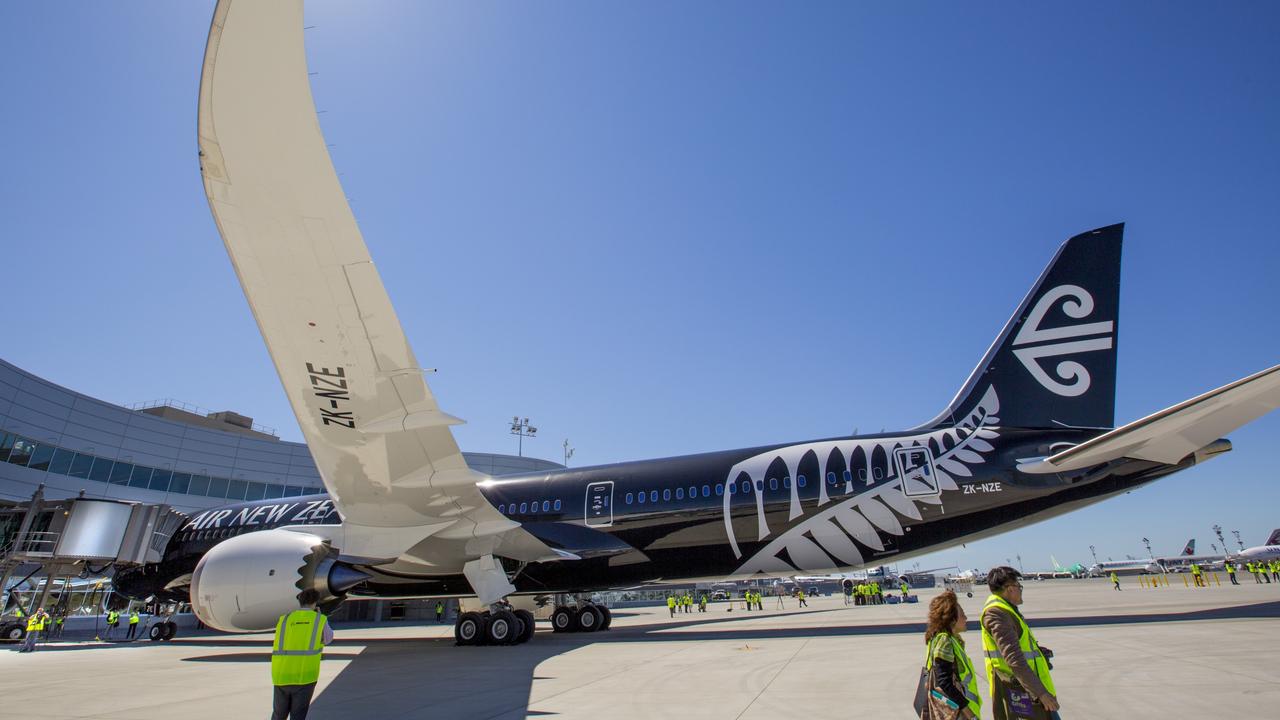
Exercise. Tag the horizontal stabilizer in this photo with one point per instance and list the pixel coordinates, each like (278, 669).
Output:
(1174, 433)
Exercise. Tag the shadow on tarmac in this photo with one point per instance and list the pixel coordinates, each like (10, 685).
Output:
(429, 677)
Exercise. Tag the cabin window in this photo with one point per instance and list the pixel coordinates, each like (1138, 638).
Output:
(666, 494)
(760, 486)
(556, 506)
(680, 493)
(746, 486)
(546, 506)
(773, 484)
(653, 496)
(630, 498)
(641, 498)
(706, 491)
(862, 474)
(831, 479)
(502, 509)
(524, 507)
(786, 483)
(800, 480)
(720, 490)
(879, 474)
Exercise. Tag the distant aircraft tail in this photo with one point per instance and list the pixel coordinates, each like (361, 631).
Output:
(1190, 549)
(1054, 364)
(1274, 539)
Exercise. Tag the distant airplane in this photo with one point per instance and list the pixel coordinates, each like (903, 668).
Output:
(1185, 559)
(1267, 551)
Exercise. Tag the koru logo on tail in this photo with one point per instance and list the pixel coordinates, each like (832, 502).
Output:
(1072, 378)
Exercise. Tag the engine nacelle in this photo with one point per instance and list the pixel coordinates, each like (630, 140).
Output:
(245, 583)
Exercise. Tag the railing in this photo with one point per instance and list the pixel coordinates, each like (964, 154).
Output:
(194, 410)
(31, 544)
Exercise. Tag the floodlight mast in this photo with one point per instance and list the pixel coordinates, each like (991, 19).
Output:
(523, 429)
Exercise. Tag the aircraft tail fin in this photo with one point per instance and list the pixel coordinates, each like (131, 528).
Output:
(1054, 364)
(1275, 537)
(1190, 548)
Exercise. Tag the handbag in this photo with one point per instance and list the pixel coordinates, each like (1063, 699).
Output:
(929, 703)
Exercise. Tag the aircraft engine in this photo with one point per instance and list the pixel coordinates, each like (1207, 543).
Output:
(245, 583)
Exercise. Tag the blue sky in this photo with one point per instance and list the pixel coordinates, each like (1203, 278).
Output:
(665, 228)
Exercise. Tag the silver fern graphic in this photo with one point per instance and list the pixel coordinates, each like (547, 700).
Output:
(835, 534)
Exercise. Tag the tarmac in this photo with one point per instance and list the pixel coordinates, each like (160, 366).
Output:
(1139, 653)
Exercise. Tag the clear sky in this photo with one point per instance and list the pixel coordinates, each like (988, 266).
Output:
(662, 228)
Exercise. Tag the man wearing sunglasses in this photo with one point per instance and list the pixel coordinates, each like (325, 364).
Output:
(1017, 667)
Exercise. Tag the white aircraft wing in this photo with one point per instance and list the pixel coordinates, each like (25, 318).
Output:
(382, 445)
(1174, 433)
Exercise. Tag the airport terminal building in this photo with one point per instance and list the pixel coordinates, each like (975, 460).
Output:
(159, 453)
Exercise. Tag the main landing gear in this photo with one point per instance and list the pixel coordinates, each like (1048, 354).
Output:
(500, 625)
(584, 617)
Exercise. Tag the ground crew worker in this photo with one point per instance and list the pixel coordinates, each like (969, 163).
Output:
(1275, 570)
(688, 602)
(295, 657)
(702, 603)
(17, 612)
(439, 611)
(35, 626)
(57, 626)
(800, 597)
(1253, 570)
(1115, 579)
(1231, 572)
(946, 660)
(1017, 667)
(1195, 575)
(671, 605)
(133, 624)
(113, 621)
(906, 589)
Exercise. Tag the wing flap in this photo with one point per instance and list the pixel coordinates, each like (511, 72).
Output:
(1175, 432)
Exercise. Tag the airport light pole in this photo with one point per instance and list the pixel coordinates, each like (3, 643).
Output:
(1238, 542)
(1148, 544)
(1217, 530)
(1094, 552)
(568, 452)
(524, 430)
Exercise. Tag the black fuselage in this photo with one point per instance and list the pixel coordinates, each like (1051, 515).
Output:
(800, 514)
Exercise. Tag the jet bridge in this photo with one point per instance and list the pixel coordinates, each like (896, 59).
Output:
(76, 537)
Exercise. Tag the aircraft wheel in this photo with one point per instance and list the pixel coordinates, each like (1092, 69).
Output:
(606, 616)
(564, 620)
(469, 629)
(156, 632)
(525, 623)
(14, 633)
(170, 630)
(501, 628)
(589, 618)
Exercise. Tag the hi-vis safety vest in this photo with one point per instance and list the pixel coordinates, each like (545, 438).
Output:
(34, 623)
(1026, 642)
(133, 618)
(965, 666)
(295, 654)
(113, 617)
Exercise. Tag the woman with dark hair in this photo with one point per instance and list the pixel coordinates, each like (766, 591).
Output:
(952, 684)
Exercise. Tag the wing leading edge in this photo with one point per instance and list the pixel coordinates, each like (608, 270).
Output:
(380, 441)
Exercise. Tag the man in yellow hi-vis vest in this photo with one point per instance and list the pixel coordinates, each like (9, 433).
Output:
(1017, 667)
(295, 657)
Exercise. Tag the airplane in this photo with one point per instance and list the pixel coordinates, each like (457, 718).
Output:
(1124, 567)
(1029, 436)
(1270, 550)
(1184, 560)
